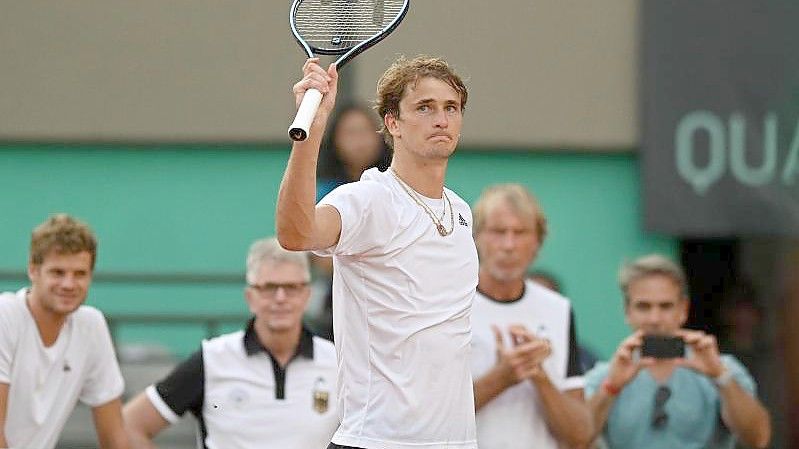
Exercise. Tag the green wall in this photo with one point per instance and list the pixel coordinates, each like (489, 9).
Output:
(174, 223)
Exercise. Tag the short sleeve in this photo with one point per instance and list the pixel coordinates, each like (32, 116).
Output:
(104, 380)
(367, 219)
(181, 390)
(594, 377)
(740, 374)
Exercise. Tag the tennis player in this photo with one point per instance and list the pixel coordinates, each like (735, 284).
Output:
(405, 264)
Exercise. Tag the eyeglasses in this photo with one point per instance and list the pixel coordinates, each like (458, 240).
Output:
(270, 289)
(659, 416)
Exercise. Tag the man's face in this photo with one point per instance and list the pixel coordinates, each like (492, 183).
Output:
(507, 244)
(656, 305)
(430, 119)
(61, 282)
(279, 295)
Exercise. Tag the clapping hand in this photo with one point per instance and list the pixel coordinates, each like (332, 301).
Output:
(522, 360)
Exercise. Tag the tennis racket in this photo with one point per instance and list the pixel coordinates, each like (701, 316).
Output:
(338, 27)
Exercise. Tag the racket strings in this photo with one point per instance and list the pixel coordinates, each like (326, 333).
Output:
(339, 25)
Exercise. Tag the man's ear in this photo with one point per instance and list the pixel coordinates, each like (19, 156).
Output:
(249, 296)
(626, 310)
(33, 270)
(390, 121)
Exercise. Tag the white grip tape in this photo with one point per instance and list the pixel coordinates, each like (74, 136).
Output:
(305, 115)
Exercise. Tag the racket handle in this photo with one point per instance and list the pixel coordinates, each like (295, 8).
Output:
(298, 130)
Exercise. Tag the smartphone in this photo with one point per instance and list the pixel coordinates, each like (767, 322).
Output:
(662, 347)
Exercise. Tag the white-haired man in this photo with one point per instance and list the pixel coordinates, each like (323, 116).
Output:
(269, 386)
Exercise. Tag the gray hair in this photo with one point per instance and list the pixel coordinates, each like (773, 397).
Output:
(651, 265)
(269, 250)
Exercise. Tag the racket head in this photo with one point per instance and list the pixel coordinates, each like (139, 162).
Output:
(344, 27)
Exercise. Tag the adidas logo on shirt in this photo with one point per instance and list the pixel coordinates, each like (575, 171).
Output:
(462, 220)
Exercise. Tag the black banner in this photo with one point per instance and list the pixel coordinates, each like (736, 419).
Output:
(720, 116)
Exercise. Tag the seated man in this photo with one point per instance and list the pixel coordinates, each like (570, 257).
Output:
(269, 386)
(699, 400)
(55, 351)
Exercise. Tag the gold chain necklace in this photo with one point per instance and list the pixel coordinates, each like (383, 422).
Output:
(415, 196)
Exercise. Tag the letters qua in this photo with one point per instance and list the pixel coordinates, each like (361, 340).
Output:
(726, 149)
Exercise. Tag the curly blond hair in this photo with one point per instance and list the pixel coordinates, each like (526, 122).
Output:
(404, 72)
(62, 234)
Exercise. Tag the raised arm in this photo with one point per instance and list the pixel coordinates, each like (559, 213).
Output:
(623, 368)
(565, 411)
(745, 415)
(300, 224)
(741, 411)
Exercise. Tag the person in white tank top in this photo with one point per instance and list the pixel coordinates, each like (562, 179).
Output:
(528, 379)
(405, 264)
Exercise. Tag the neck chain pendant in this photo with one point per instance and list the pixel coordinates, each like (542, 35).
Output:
(419, 202)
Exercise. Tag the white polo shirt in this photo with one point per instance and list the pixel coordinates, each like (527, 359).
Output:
(402, 296)
(242, 398)
(46, 383)
(515, 419)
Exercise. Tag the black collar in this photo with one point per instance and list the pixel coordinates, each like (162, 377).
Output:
(498, 301)
(253, 346)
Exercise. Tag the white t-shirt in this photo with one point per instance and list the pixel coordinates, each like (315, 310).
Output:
(515, 419)
(402, 296)
(46, 383)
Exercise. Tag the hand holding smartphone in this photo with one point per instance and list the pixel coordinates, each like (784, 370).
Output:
(663, 347)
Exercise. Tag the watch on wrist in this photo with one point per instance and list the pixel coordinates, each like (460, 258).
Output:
(723, 379)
